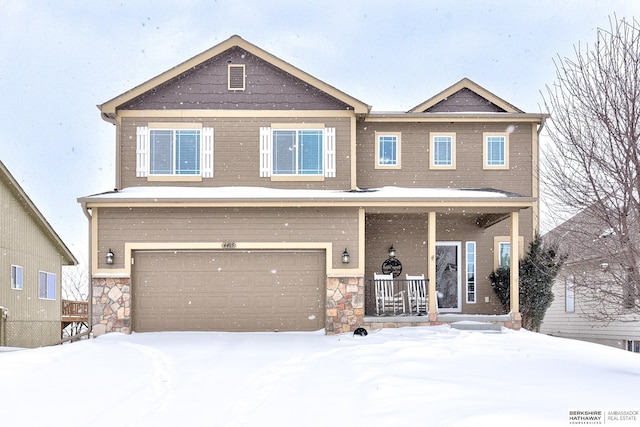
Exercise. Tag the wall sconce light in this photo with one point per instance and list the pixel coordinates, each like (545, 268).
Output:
(392, 252)
(110, 257)
(345, 256)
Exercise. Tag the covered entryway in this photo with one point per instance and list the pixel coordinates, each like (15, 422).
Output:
(229, 290)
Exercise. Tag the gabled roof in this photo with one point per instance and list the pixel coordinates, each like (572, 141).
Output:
(465, 83)
(108, 109)
(10, 182)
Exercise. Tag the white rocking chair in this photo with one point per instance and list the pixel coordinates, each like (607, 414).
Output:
(417, 294)
(386, 299)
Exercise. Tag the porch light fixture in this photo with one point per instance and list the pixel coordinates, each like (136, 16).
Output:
(345, 256)
(392, 252)
(110, 257)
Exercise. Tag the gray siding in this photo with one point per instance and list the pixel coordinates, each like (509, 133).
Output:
(336, 225)
(237, 153)
(205, 87)
(465, 100)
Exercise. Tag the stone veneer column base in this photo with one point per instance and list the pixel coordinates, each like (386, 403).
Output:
(345, 304)
(111, 302)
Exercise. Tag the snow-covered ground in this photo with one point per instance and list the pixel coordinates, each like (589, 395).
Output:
(434, 376)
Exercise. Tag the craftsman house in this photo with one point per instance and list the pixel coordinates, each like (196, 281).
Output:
(594, 253)
(252, 196)
(31, 260)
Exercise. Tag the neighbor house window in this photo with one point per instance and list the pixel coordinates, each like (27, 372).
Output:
(297, 153)
(16, 277)
(387, 150)
(471, 272)
(569, 295)
(496, 151)
(443, 150)
(46, 285)
(634, 346)
(178, 151)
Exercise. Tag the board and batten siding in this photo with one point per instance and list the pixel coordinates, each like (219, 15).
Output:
(339, 226)
(237, 152)
(469, 173)
(31, 321)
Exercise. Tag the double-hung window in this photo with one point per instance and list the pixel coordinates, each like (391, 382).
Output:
(180, 150)
(16, 277)
(46, 285)
(443, 150)
(496, 150)
(297, 152)
(387, 150)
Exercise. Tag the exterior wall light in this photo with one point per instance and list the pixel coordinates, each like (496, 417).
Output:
(345, 256)
(110, 257)
(392, 252)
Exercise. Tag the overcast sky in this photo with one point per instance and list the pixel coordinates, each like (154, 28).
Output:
(59, 59)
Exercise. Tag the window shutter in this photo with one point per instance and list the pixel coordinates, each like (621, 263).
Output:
(142, 152)
(265, 151)
(206, 153)
(330, 152)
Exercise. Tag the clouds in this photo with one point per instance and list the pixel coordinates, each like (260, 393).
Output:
(60, 59)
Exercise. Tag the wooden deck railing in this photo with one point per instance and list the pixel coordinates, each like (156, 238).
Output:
(75, 311)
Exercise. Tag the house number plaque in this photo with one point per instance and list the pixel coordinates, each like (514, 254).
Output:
(228, 245)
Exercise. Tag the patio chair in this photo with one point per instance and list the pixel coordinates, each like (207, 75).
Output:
(417, 294)
(387, 300)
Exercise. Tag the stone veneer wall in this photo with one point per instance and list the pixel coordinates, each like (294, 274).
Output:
(111, 301)
(345, 304)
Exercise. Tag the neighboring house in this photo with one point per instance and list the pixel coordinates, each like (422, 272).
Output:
(251, 196)
(31, 260)
(578, 313)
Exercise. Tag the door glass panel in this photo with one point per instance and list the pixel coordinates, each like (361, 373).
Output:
(447, 277)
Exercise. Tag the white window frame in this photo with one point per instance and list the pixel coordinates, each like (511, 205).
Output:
(328, 152)
(47, 283)
(471, 281)
(569, 295)
(143, 152)
(436, 163)
(489, 163)
(394, 163)
(501, 241)
(17, 277)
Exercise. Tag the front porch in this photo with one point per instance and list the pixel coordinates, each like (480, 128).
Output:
(459, 321)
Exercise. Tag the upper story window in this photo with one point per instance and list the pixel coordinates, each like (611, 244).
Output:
(496, 150)
(16, 277)
(168, 151)
(174, 152)
(46, 285)
(443, 150)
(387, 150)
(297, 152)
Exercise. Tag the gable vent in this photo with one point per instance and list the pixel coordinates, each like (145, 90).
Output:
(236, 77)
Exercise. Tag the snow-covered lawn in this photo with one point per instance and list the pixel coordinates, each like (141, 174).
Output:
(434, 376)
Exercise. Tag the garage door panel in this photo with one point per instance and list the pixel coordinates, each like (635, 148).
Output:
(228, 291)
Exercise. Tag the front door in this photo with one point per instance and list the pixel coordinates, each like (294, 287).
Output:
(448, 283)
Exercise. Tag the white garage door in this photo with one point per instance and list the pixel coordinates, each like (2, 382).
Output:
(228, 291)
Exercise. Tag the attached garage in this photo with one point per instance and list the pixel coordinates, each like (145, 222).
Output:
(230, 290)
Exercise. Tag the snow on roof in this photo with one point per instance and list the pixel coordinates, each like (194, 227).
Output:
(262, 193)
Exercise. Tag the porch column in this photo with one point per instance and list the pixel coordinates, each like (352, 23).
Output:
(514, 262)
(431, 267)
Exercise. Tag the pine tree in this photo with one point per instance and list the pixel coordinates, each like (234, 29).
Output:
(538, 270)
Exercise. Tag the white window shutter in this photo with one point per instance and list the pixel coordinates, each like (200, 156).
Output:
(206, 153)
(330, 152)
(142, 152)
(265, 151)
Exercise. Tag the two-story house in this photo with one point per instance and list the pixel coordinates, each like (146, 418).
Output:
(252, 196)
(31, 259)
